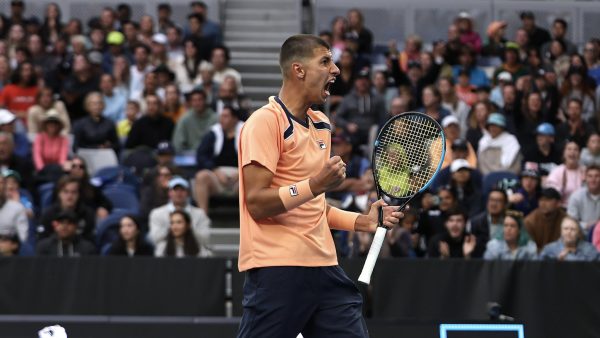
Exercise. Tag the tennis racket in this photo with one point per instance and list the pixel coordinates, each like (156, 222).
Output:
(409, 152)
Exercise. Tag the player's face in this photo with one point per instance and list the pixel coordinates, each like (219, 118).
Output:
(320, 74)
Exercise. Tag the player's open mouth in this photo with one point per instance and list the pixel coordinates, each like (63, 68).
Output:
(328, 85)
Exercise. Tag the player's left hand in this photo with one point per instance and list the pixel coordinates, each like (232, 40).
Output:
(391, 217)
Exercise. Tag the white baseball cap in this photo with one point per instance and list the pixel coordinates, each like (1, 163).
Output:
(6, 116)
(459, 164)
(448, 120)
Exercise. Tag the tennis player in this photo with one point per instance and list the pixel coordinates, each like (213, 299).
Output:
(293, 281)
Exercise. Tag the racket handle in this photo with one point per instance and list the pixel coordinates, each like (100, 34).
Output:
(365, 275)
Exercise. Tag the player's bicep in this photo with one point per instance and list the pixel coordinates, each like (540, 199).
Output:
(256, 177)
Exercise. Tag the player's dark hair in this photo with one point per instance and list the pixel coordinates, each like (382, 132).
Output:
(297, 48)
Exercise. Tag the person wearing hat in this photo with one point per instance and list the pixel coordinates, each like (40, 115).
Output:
(8, 123)
(496, 39)
(468, 36)
(543, 223)
(360, 109)
(543, 155)
(498, 149)
(12, 181)
(512, 63)
(452, 131)
(116, 47)
(179, 199)
(50, 147)
(159, 50)
(502, 79)
(466, 186)
(537, 35)
(46, 102)
(525, 197)
(65, 241)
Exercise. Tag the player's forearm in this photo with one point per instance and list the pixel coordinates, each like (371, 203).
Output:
(265, 203)
(364, 223)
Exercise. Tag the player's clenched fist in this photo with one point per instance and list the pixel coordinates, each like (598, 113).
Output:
(332, 175)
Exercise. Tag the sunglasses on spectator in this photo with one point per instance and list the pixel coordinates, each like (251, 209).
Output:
(80, 166)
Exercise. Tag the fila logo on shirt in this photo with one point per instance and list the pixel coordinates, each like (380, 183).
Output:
(322, 144)
(293, 190)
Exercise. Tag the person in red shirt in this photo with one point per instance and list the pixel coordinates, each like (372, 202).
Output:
(20, 94)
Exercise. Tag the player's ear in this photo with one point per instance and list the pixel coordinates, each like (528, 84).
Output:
(298, 70)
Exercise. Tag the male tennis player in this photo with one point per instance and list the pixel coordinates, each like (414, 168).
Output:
(293, 281)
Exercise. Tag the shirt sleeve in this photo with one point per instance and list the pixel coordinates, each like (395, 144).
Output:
(260, 141)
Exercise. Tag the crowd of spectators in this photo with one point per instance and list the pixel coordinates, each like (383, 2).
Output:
(521, 177)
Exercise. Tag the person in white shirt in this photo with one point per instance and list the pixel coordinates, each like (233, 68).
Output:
(498, 149)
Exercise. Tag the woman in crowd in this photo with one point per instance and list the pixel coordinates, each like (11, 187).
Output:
(453, 104)
(569, 176)
(131, 241)
(513, 246)
(20, 94)
(44, 103)
(180, 240)
(94, 130)
(477, 123)
(91, 195)
(186, 68)
(50, 147)
(577, 85)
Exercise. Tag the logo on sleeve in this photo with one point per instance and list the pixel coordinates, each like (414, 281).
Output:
(322, 144)
(293, 190)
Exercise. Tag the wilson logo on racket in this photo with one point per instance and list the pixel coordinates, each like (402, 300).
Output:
(322, 144)
(293, 190)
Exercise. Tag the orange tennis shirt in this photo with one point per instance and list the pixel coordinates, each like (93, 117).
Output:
(293, 151)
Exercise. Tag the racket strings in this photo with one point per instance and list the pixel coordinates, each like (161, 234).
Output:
(407, 155)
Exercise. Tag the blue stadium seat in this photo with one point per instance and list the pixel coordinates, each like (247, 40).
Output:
(492, 179)
(105, 249)
(108, 229)
(45, 191)
(122, 198)
(120, 174)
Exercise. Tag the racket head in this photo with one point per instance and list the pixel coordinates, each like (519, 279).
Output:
(408, 152)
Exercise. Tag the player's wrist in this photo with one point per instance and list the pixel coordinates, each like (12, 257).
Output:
(315, 187)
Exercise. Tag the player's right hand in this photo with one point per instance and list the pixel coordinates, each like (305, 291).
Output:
(332, 175)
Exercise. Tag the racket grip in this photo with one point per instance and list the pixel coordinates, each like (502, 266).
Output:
(365, 275)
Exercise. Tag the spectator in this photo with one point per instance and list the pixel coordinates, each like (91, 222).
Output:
(432, 100)
(398, 242)
(8, 123)
(152, 128)
(94, 130)
(65, 240)
(465, 91)
(77, 86)
(576, 86)
(67, 197)
(210, 29)
(359, 110)
(531, 117)
(139, 70)
(489, 223)
(498, 150)
(454, 242)
(116, 48)
(468, 36)
(542, 156)
(584, 203)
(163, 13)
(180, 240)
(591, 55)
(207, 84)
(477, 76)
(158, 49)
(186, 67)
(452, 130)
(220, 58)
(344, 82)
(146, 30)
(339, 31)
(512, 63)
(525, 198)
(8, 160)
(496, 40)
(217, 159)
(52, 25)
(173, 107)
(132, 112)
(590, 155)
(131, 240)
(13, 216)
(229, 96)
(12, 181)
(435, 211)
(44, 104)
(466, 187)
(155, 190)
(559, 32)
(195, 124)
(5, 71)
(178, 200)
(115, 99)
(20, 94)
(496, 95)
(569, 176)
(575, 128)
(9, 244)
(50, 147)
(570, 246)
(453, 104)
(477, 123)
(509, 248)
(358, 31)
(90, 195)
(411, 52)
(537, 36)
(121, 73)
(543, 223)
(459, 150)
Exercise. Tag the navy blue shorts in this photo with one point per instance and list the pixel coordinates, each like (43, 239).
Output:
(280, 302)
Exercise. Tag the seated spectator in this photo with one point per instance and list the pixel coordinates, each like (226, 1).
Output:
(179, 200)
(509, 248)
(75, 88)
(344, 82)
(13, 216)
(477, 123)
(590, 155)
(186, 67)
(466, 59)
(94, 130)
(207, 84)
(9, 244)
(399, 239)
(360, 109)
(569, 176)
(44, 104)
(229, 95)
(570, 246)
(12, 181)
(497, 93)
(489, 223)
(584, 203)
(8, 160)
(496, 40)
(452, 131)
(577, 86)
(532, 115)
(50, 146)
(217, 159)
(575, 128)
(131, 240)
(174, 109)
(543, 155)
(22, 148)
(591, 55)
(67, 198)
(115, 98)
(454, 242)
(525, 198)
(65, 241)
(543, 223)
(431, 219)
(465, 91)
(132, 112)
(457, 107)
(512, 64)
(20, 94)
(195, 124)
(152, 128)
(466, 188)
(559, 32)
(498, 149)
(90, 194)
(155, 190)
(468, 36)
(432, 100)
(180, 241)
(459, 150)
(220, 60)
